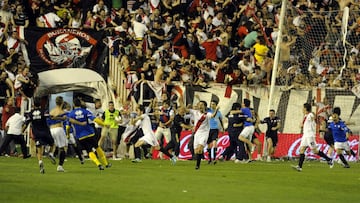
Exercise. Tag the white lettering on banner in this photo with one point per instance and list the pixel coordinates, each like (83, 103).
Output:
(222, 143)
(354, 145)
(72, 31)
(289, 146)
(185, 152)
(294, 150)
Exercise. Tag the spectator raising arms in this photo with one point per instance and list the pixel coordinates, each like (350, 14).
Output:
(48, 20)
(75, 20)
(20, 18)
(89, 22)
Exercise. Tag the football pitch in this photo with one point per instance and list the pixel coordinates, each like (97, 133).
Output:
(159, 181)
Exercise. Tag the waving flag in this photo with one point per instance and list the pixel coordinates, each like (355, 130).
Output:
(63, 48)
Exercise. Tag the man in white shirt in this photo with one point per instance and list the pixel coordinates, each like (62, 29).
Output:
(168, 24)
(100, 6)
(144, 18)
(201, 129)
(245, 65)
(308, 138)
(207, 11)
(139, 28)
(13, 42)
(144, 123)
(124, 27)
(218, 19)
(14, 127)
(48, 20)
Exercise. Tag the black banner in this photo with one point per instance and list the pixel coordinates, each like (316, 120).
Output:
(63, 48)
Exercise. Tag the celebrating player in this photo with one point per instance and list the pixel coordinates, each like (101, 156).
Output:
(308, 138)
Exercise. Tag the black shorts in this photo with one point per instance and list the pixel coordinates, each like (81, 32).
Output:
(121, 130)
(273, 137)
(89, 143)
(329, 139)
(175, 136)
(138, 134)
(42, 140)
(98, 133)
(213, 135)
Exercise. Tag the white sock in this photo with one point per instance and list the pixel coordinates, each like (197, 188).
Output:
(40, 162)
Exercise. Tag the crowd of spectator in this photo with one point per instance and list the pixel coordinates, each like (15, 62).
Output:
(233, 42)
(198, 42)
(195, 42)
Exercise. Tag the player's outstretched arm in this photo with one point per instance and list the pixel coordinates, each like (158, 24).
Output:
(100, 122)
(73, 121)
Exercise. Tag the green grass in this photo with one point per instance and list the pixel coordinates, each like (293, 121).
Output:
(159, 181)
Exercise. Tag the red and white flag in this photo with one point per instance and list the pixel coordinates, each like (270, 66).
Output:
(154, 4)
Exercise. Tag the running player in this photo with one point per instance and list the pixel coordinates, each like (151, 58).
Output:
(41, 132)
(214, 131)
(273, 125)
(341, 134)
(201, 130)
(85, 133)
(57, 130)
(308, 138)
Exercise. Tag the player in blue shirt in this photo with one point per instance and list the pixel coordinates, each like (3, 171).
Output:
(341, 134)
(249, 128)
(214, 131)
(72, 142)
(85, 133)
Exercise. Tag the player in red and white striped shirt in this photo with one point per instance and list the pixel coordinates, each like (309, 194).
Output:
(308, 138)
(201, 130)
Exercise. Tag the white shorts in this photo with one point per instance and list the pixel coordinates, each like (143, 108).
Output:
(59, 136)
(71, 139)
(308, 142)
(163, 131)
(200, 139)
(150, 139)
(342, 145)
(247, 132)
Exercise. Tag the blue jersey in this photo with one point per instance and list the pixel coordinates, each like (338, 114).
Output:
(338, 130)
(214, 122)
(52, 122)
(82, 115)
(247, 113)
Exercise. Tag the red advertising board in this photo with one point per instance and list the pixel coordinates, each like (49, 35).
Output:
(288, 145)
